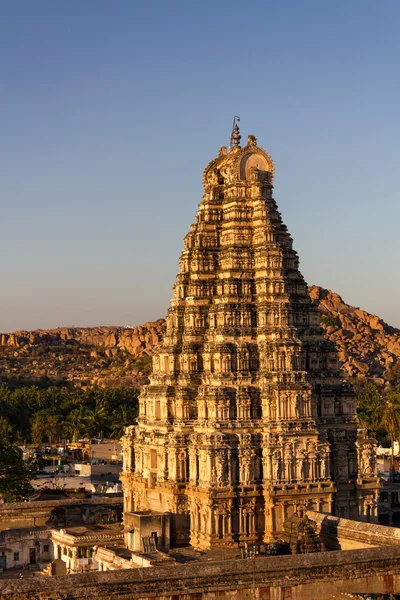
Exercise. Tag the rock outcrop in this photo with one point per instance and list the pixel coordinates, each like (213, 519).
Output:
(367, 346)
(103, 356)
(120, 356)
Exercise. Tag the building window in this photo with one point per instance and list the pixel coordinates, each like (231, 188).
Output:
(46, 548)
(16, 556)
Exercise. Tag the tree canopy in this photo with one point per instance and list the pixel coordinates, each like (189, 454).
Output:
(41, 415)
(15, 473)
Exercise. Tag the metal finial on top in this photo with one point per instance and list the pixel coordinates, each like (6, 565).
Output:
(235, 135)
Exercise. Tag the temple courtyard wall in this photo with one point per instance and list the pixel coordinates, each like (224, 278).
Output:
(302, 577)
(345, 534)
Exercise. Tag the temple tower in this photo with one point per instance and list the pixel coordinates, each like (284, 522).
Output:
(247, 415)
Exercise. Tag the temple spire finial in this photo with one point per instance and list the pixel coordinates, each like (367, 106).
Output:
(235, 135)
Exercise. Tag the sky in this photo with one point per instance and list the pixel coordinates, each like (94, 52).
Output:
(110, 111)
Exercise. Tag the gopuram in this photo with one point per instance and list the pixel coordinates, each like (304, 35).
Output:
(247, 416)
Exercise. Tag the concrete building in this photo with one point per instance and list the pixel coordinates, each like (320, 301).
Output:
(26, 527)
(76, 545)
(21, 548)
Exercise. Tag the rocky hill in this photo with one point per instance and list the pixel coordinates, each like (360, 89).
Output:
(115, 356)
(81, 357)
(367, 346)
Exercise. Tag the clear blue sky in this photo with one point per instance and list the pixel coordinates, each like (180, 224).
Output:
(109, 112)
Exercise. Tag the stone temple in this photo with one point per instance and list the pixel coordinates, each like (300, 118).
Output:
(247, 417)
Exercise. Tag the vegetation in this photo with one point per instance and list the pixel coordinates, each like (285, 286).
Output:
(379, 409)
(49, 414)
(330, 321)
(15, 473)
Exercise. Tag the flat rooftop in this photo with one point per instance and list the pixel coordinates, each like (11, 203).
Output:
(90, 530)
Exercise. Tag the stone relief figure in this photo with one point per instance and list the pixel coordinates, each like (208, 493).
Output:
(244, 468)
(294, 405)
(220, 470)
(213, 476)
(276, 465)
(322, 467)
(300, 460)
(288, 459)
(222, 151)
(342, 465)
(367, 462)
(228, 174)
(300, 405)
(244, 360)
(214, 177)
(203, 466)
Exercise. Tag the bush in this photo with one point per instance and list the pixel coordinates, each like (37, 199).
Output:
(330, 321)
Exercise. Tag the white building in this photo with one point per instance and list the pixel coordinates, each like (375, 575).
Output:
(75, 545)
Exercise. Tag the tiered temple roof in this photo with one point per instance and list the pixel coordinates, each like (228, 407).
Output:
(247, 416)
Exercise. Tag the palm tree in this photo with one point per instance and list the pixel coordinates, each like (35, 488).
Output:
(76, 424)
(97, 418)
(121, 418)
(370, 405)
(390, 419)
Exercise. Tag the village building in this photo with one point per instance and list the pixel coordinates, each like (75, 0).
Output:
(76, 545)
(26, 527)
(25, 547)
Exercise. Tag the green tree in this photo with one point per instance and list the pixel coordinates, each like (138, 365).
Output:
(391, 418)
(121, 418)
(96, 418)
(330, 321)
(393, 374)
(15, 473)
(370, 405)
(76, 425)
(46, 427)
(6, 430)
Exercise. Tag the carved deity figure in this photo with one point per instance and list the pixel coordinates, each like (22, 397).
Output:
(300, 464)
(214, 177)
(367, 461)
(276, 465)
(342, 465)
(322, 467)
(245, 469)
(220, 470)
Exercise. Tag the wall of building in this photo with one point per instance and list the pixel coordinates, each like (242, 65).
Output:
(108, 451)
(345, 534)
(301, 577)
(21, 547)
(15, 515)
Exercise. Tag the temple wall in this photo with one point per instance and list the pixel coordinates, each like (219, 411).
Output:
(345, 534)
(301, 577)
